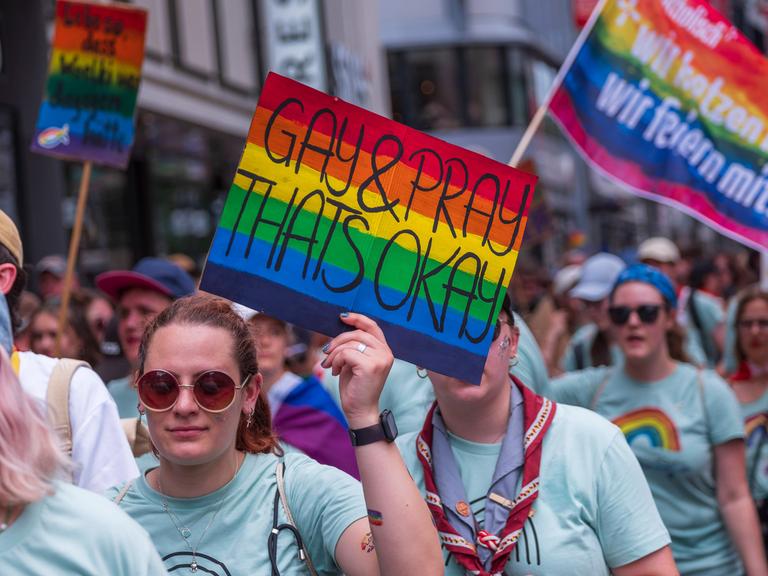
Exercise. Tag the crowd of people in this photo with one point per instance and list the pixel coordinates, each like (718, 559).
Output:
(620, 427)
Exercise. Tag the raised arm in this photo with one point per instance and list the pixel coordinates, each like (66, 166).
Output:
(398, 537)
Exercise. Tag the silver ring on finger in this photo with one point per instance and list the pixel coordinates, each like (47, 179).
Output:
(362, 348)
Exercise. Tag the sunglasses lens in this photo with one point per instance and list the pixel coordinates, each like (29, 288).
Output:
(648, 313)
(619, 314)
(214, 390)
(158, 390)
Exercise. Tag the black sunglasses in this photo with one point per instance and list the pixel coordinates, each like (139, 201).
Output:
(648, 313)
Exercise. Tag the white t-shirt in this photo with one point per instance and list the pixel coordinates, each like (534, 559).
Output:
(100, 452)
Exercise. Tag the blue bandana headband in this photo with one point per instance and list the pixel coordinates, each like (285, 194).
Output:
(648, 275)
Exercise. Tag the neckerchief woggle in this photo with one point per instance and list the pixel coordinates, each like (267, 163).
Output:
(748, 371)
(538, 413)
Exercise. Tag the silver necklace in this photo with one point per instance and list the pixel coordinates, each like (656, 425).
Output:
(184, 531)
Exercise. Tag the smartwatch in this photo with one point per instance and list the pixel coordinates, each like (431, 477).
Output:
(386, 429)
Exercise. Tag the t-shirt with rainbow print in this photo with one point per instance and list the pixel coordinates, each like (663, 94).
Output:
(671, 425)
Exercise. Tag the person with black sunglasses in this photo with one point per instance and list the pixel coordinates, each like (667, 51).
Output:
(682, 423)
(226, 500)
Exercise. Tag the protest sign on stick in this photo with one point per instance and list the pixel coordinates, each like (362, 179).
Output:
(89, 102)
(667, 98)
(334, 208)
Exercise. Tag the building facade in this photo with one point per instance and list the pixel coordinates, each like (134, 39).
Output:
(204, 65)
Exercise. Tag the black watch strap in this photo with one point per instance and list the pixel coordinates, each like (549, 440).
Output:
(385, 429)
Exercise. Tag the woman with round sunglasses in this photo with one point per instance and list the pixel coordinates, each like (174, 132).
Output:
(521, 486)
(682, 423)
(750, 384)
(224, 500)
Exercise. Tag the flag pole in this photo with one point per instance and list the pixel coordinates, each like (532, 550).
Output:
(541, 112)
(764, 270)
(74, 245)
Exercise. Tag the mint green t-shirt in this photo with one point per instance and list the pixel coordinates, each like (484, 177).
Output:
(125, 396)
(324, 502)
(672, 426)
(755, 416)
(594, 508)
(711, 315)
(75, 532)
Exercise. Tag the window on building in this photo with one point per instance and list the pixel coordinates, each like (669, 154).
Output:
(485, 86)
(485, 89)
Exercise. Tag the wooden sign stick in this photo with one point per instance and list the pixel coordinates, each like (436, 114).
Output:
(74, 245)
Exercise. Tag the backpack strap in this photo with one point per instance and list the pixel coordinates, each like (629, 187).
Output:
(57, 398)
(123, 491)
(600, 389)
(700, 384)
(137, 435)
(303, 552)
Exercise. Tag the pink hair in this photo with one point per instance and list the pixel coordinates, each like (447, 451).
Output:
(29, 455)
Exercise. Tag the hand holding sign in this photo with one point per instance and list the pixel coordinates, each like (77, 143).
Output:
(334, 208)
(362, 360)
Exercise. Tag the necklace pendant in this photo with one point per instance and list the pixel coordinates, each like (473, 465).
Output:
(193, 567)
(186, 533)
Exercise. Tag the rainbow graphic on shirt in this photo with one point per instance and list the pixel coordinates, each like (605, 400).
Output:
(668, 98)
(93, 82)
(650, 426)
(334, 208)
(755, 428)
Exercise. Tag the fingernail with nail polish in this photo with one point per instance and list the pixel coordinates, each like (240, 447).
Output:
(326, 348)
(344, 314)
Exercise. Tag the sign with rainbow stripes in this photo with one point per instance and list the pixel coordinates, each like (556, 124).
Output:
(334, 208)
(93, 81)
(668, 98)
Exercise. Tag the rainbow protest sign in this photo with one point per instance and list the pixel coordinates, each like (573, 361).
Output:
(93, 81)
(334, 208)
(667, 97)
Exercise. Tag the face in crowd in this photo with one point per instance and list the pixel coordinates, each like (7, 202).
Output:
(495, 371)
(272, 340)
(43, 329)
(200, 386)
(752, 328)
(640, 318)
(136, 308)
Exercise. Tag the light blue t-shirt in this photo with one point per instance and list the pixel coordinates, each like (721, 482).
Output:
(578, 352)
(672, 426)
(77, 533)
(409, 397)
(594, 509)
(324, 502)
(125, 396)
(755, 416)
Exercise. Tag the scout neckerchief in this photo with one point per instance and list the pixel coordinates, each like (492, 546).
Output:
(538, 413)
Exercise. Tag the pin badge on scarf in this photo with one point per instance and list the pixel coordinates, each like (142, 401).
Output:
(462, 508)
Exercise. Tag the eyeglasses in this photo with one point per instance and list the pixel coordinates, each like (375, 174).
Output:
(750, 323)
(214, 391)
(497, 328)
(648, 313)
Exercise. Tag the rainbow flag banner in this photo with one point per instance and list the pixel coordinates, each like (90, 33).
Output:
(668, 98)
(93, 81)
(334, 208)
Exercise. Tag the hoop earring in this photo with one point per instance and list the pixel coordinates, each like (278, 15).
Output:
(249, 420)
(421, 373)
(514, 361)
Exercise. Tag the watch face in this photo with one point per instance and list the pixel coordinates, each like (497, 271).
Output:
(389, 425)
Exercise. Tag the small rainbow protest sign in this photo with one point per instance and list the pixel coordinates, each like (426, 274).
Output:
(668, 98)
(93, 81)
(334, 208)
